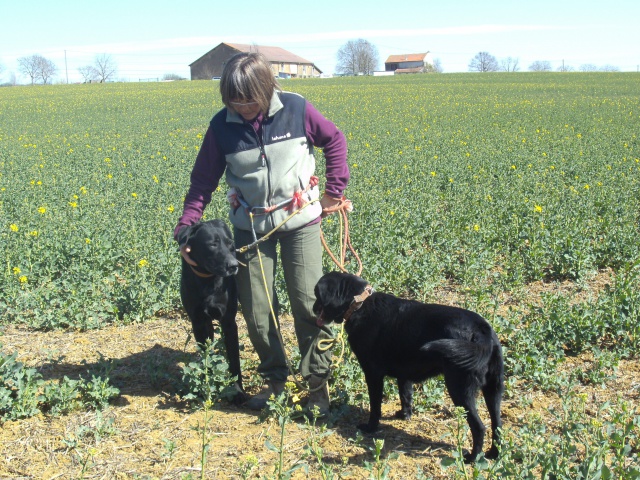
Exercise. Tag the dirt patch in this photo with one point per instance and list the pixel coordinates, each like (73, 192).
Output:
(150, 433)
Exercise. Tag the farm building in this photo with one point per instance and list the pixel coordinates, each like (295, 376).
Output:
(284, 64)
(409, 63)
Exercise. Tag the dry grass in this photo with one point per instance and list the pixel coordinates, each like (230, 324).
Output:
(147, 417)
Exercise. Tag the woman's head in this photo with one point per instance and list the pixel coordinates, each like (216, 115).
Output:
(247, 84)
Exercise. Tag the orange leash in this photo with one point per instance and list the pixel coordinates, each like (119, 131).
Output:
(341, 208)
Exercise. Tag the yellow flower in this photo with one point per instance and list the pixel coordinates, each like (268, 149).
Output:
(33, 233)
(42, 210)
(155, 179)
(16, 270)
(143, 263)
(476, 227)
(73, 204)
(87, 241)
(587, 187)
(170, 208)
(134, 195)
(83, 190)
(538, 208)
(14, 227)
(22, 279)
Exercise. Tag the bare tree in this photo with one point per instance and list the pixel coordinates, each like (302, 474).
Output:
(609, 68)
(435, 67)
(357, 57)
(483, 62)
(105, 67)
(588, 67)
(28, 66)
(510, 64)
(540, 66)
(88, 73)
(46, 69)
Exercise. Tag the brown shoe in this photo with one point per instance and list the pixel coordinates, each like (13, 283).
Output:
(318, 396)
(259, 401)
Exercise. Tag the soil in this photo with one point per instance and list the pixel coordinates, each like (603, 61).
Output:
(149, 432)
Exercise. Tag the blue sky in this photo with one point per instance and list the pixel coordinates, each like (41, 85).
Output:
(148, 39)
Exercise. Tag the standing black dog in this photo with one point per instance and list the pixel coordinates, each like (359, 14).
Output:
(413, 341)
(208, 291)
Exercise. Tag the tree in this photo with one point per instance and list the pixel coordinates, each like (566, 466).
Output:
(28, 66)
(509, 64)
(588, 67)
(609, 68)
(483, 62)
(357, 57)
(540, 66)
(46, 70)
(436, 67)
(88, 73)
(105, 67)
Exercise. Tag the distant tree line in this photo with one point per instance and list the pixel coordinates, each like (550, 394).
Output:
(484, 62)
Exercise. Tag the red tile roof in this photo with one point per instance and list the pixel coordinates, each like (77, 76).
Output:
(408, 57)
(273, 54)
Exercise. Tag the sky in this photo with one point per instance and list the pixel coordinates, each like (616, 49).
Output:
(148, 39)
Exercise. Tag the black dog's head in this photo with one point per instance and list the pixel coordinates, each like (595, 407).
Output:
(335, 292)
(212, 248)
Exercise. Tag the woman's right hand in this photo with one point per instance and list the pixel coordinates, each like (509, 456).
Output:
(184, 251)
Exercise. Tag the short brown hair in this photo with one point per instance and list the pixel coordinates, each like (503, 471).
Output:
(248, 77)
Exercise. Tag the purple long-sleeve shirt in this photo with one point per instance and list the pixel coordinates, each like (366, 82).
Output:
(210, 164)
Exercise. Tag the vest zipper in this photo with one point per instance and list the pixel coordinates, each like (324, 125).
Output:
(265, 163)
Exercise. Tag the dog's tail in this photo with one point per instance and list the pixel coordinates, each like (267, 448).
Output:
(464, 354)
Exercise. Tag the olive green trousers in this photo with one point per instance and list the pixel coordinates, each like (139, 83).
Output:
(300, 255)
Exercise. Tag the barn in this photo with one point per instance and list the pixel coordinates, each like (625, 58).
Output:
(409, 63)
(284, 64)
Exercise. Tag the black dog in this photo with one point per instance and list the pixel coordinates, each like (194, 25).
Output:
(413, 341)
(208, 291)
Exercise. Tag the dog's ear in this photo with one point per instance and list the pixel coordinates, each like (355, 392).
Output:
(188, 232)
(351, 285)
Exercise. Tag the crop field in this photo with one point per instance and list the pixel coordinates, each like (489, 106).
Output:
(516, 195)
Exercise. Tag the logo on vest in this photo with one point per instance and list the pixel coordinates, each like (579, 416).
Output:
(281, 137)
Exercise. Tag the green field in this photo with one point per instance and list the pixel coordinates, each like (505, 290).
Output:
(483, 181)
(484, 185)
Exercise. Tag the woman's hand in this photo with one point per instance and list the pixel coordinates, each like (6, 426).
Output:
(329, 205)
(184, 251)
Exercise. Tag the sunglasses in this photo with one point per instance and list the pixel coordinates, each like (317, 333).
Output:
(243, 104)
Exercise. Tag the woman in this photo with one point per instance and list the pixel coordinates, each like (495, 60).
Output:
(263, 142)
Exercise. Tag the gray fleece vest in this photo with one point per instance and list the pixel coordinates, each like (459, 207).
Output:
(269, 169)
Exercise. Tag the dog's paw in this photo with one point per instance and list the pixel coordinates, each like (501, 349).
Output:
(239, 396)
(470, 458)
(403, 415)
(366, 428)
(492, 454)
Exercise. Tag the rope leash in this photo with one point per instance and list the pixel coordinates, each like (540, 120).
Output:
(323, 344)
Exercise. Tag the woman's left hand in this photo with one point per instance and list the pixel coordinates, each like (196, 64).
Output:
(329, 205)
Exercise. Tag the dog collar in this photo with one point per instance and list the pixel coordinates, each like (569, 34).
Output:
(357, 302)
(201, 274)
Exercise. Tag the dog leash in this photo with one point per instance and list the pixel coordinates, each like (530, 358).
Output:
(323, 345)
